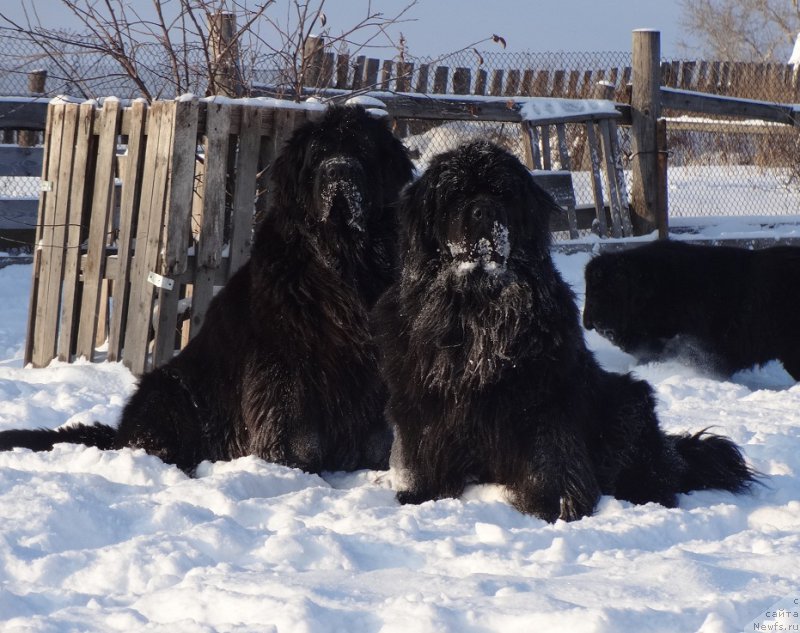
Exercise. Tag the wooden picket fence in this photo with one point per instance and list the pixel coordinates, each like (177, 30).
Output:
(137, 204)
(520, 75)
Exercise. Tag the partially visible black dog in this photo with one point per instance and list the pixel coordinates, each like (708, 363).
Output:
(488, 374)
(718, 307)
(284, 366)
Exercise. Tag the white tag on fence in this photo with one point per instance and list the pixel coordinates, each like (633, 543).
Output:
(159, 281)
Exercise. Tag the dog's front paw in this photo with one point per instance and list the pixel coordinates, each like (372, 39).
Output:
(414, 497)
(574, 508)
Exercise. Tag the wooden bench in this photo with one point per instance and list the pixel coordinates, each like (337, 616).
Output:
(559, 185)
(605, 164)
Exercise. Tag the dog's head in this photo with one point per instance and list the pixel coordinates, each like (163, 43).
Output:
(340, 172)
(619, 301)
(476, 211)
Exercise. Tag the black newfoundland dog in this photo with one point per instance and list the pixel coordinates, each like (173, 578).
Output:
(284, 366)
(489, 377)
(717, 307)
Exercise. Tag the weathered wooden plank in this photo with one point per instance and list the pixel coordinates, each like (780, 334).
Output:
(440, 77)
(244, 193)
(26, 114)
(501, 110)
(687, 75)
(480, 82)
(422, 79)
(530, 145)
(615, 199)
(540, 84)
(512, 83)
(102, 201)
(177, 232)
(358, 72)
(44, 201)
(326, 75)
(566, 164)
(342, 70)
(710, 78)
(405, 71)
(559, 79)
(496, 88)
(313, 48)
(131, 165)
(462, 79)
(148, 234)
(737, 78)
(386, 74)
(18, 213)
(544, 143)
(209, 247)
(526, 85)
(373, 66)
(627, 73)
(20, 161)
(728, 106)
(47, 243)
(587, 86)
(597, 183)
(724, 85)
(181, 181)
(572, 85)
(79, 200)
(59, 234)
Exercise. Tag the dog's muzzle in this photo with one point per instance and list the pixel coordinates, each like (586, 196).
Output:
(488, 252)
(340, 186)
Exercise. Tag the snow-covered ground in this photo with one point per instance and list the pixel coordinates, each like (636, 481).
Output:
(117, 541)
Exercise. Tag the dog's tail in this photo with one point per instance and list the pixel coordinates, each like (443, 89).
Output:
(712, 462)
(100, 435)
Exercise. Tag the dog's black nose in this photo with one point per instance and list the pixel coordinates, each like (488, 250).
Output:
(336, 170)
(477, 213)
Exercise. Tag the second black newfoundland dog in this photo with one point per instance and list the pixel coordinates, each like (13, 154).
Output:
(720, 308)
(284, 366)
(488, 374)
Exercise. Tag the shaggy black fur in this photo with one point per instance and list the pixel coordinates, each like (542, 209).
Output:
(284, 366)
(718, 307)
(489, 378)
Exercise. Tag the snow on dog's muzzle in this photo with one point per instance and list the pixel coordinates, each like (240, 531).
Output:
(488, 252)
(340, 185)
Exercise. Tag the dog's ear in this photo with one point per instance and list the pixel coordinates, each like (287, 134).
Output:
(419, 202)
(285, 171)
(417, 208)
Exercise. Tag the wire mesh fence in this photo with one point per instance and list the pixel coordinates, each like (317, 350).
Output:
(718, 165)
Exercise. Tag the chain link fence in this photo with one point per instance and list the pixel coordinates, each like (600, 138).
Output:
(718, 165)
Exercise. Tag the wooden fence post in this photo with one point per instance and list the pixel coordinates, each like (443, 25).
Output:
(226, 78)
(645, 111)
(36, 83)
(311, 66)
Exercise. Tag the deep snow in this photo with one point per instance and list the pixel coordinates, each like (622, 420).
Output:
(118, 541)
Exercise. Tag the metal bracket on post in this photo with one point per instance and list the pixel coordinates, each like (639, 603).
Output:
(159, 281)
